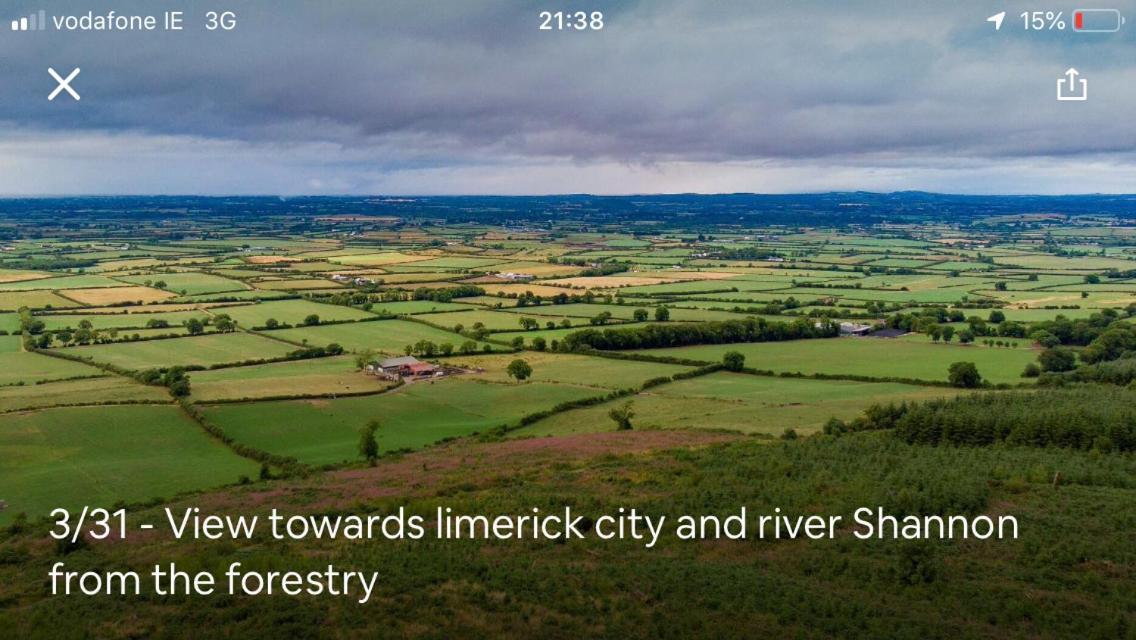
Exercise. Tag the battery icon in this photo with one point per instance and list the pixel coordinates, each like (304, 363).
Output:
(1097, 20)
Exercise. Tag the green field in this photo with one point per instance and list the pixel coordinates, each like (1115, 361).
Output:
(195, 351)
(73, 457)
(556, 334)
(874, 357)
(29, 368)
(411, 307)
(564, 368)
(739, 402)
(117, 320)
(86, 391)
(388, 336)
(62, 282)
(323, 376)
(191, 284)
(288, 311)
(327, 431)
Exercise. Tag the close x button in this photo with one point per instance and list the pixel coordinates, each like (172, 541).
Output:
(64, 84)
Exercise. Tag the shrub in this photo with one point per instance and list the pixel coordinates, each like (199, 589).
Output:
(964, 375)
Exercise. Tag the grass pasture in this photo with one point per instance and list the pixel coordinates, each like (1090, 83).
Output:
(606, 373)
(189, 283)
(874, 357)
(60, 283)
(322, 376)
(387, 336)
(86, 391)
(738, 402)
(203, 351)
(96, 456)
(117, 320)
(327, 431)
(289, 311)
(29, 368)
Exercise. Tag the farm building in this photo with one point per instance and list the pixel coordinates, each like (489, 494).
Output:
(406, 366)
(854, 329)
(517, 277)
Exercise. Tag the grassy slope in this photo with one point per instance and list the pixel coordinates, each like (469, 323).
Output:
(98, 455)
(388, 336)
(877, 357)
(302, 377)
(199, 350)
(750, 404)
(327, 431)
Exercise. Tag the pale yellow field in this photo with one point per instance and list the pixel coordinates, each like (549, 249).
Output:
(536, 289)
(115, 295)
(377, 259)
(270, 259)
(12, 300)
(11, 275)
(697, 275)
(605, 282)
(290, 285)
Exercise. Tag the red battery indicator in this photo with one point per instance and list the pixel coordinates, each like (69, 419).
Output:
(1097, 20)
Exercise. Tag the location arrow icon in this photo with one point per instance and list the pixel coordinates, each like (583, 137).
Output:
(997, 20)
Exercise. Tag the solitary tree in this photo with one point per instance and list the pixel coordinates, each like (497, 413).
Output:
(271, 323)
(662, 314)
(519, 369)
(622, 416)
(964, 375)
(364, 357)
(640, 315)
(194, 326)
(733, 361)
(311, 320)
(368, 445)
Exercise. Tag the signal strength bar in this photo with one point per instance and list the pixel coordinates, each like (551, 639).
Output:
(33, 22)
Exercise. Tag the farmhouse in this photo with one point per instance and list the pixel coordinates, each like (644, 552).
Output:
(854, 329)
(517, 277)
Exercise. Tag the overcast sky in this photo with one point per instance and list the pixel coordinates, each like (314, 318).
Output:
(468, 96)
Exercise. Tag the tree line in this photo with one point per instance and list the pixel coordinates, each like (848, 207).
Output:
(678, 335)
(1081, 417)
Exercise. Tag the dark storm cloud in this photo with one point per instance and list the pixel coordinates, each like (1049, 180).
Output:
(405, 86)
